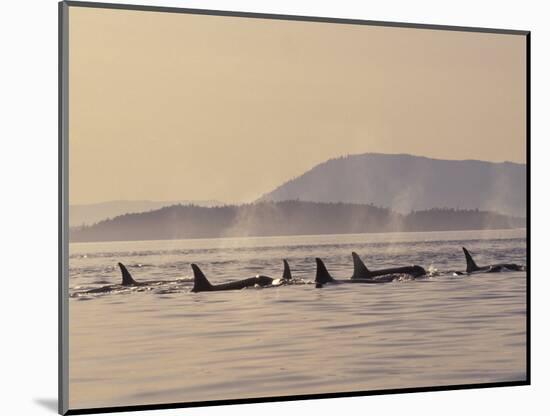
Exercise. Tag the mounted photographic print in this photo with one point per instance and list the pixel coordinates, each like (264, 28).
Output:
(263, 208)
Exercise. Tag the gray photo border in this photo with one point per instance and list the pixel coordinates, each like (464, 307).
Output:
(63, 208)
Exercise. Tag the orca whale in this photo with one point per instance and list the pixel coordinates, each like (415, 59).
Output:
(322, 276)
(127, 281)
(472, 267)
(287, 275)
(360, 271)
(201, 283)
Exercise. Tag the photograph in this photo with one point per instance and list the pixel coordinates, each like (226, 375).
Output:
(272, 207)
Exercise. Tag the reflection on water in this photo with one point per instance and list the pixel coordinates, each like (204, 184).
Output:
(161, 343)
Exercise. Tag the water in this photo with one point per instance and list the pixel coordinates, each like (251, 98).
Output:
(164, 344)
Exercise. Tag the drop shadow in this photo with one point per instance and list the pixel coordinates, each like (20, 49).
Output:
(49, 404)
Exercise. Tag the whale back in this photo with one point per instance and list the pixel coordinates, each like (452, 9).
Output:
(201, 283)
(360, 271)
(127, 279)
(286, 272)
(471, 265)
(322, 275)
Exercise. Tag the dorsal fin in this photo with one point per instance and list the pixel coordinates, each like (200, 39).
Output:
(286, 272)
(127, 279)
(471, 265)
(322, 275)
(360, 271)
(201, 283)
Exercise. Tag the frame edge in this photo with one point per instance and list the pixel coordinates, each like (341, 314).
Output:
(275, 16)
(63, 204)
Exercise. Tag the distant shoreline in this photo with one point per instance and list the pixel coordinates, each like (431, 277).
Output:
(229, 238)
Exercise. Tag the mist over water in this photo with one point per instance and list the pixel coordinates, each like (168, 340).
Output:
(161, 343)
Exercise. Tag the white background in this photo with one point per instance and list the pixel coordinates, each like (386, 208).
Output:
(28, 163)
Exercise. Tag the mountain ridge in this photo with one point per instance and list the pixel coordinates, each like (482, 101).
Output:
(406, 182)
(283, 218)
(87, 214)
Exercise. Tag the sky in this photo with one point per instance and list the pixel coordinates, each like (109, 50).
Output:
(166, 106)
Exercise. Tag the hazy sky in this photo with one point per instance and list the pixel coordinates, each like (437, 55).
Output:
(172, 106)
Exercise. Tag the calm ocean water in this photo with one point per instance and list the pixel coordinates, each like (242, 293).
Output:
(163, 344)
